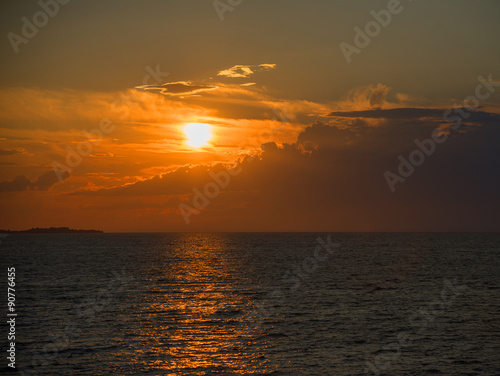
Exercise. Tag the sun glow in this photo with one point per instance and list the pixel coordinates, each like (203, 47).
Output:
(198, 134)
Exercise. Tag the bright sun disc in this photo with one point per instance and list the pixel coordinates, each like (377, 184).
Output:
(198, 134)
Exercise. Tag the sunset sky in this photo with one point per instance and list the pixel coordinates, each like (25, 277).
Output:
(96, 106)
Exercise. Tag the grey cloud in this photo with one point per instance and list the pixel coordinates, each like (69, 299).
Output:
(22, 183)
(378, 95)
(417, 113)
(47, 180)
(4, 152)
(338, 185)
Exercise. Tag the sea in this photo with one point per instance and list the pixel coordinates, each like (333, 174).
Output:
(251, 304)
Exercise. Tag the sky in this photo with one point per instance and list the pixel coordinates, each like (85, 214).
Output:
(239, 115)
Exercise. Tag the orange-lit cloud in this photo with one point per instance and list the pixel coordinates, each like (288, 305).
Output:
(179, 88)
(313, 154)
(241, 71)
(326, 173)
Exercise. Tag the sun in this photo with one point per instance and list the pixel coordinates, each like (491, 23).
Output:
(198, 134)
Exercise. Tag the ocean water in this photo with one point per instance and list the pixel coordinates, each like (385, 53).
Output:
(255, 304)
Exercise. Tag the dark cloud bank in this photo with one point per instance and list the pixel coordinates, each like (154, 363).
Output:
(21, 183)
(332, 179)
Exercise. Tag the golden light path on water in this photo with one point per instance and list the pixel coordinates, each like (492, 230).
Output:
(194, 315)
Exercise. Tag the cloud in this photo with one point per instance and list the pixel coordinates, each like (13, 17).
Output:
(5, 152)
(22, 183)
(366, 97)
(239, 71)
(395, 113)
(378, 95)
(334, 178)
(67, 110)
(479, 117)
(47, 180)
(179, 88)
(305, 177)
(325, 136)
(172, 183)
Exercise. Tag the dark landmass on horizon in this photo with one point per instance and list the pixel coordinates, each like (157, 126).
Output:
(52, 230)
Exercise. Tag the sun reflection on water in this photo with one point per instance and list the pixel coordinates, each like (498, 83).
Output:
(194, 318)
